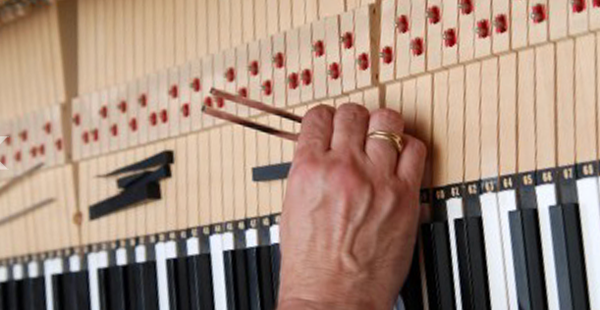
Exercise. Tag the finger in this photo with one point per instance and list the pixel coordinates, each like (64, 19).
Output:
(381, 152)
(411, 162)
(316, 130)
(349, 127)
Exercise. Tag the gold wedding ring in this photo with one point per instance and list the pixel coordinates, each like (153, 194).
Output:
(392, 138)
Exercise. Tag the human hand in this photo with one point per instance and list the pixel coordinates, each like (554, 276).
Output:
(351, 211)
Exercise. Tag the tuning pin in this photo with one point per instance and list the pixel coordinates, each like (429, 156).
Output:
(466, 7)
(538, 13)
(433, 15)
(123, 106)
(319, 48)
(133, 124)
(174, 91)
(243, 92)
(449, 37)
(267, 88)
(306, 77)
(143, 100)
(402, 25)
(103, 112)
(230, 75)
(48, 128)
(278, 60)
(334, 71)
(416, 46)
(363, 61)
(387, 55)
(164, 116)
(483, 29)
(500, 23)
(195, 85)
(293, 80)
(578, 6)
(253, 68)
(348, 40)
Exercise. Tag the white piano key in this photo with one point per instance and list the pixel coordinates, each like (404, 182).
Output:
(33, 270)
(74, 263)
(399, 304)
(455, 211)
(102, 259)
(274, 233)
(161, 276)
(546, 197)
(507, 201)
(3, 274)
(171, 249)
(193, 246)
(228, 244)
(494, 251)
(96, 261)
(17, 272)
(218, 271)
(121, 256)
(93, 281)
(140, 253)
(589, 209)
(251, 238)
(51, 267)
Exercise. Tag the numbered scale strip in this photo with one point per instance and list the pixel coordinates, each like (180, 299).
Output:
(475, 227)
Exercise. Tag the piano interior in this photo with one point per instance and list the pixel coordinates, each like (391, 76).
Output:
(120, 193)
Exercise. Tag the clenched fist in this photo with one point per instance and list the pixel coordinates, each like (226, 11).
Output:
(351, 211)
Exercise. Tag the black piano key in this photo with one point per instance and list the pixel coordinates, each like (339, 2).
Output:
(103, 289)
(472, 265)
(146, 289)
(116, 296)
(183, 284)
(438, 263)
(477, 259)
(172, 283)
(58, 289)
(63, 286)
(4, 296)
(200, 282)
(569, 259)
(28, 294)
(35, 296)
(268, 258)
(132, 280)
(276, 269)
(576, 256)
(464, 265)
(241, 280)
(412, 292)
(253, 282)
(229, 278)
(527, 259)
(15, 295)
(177, 271)
(82, 289)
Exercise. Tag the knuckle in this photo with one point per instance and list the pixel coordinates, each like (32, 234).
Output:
(388, 118)
(352, 111)
(319, 113)
(420, 148)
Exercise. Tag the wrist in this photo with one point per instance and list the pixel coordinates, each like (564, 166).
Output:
(302, 304)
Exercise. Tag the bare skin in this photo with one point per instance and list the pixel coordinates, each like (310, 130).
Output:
(351, 212)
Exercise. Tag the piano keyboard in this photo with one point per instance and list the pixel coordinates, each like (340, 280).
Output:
(504, 92)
